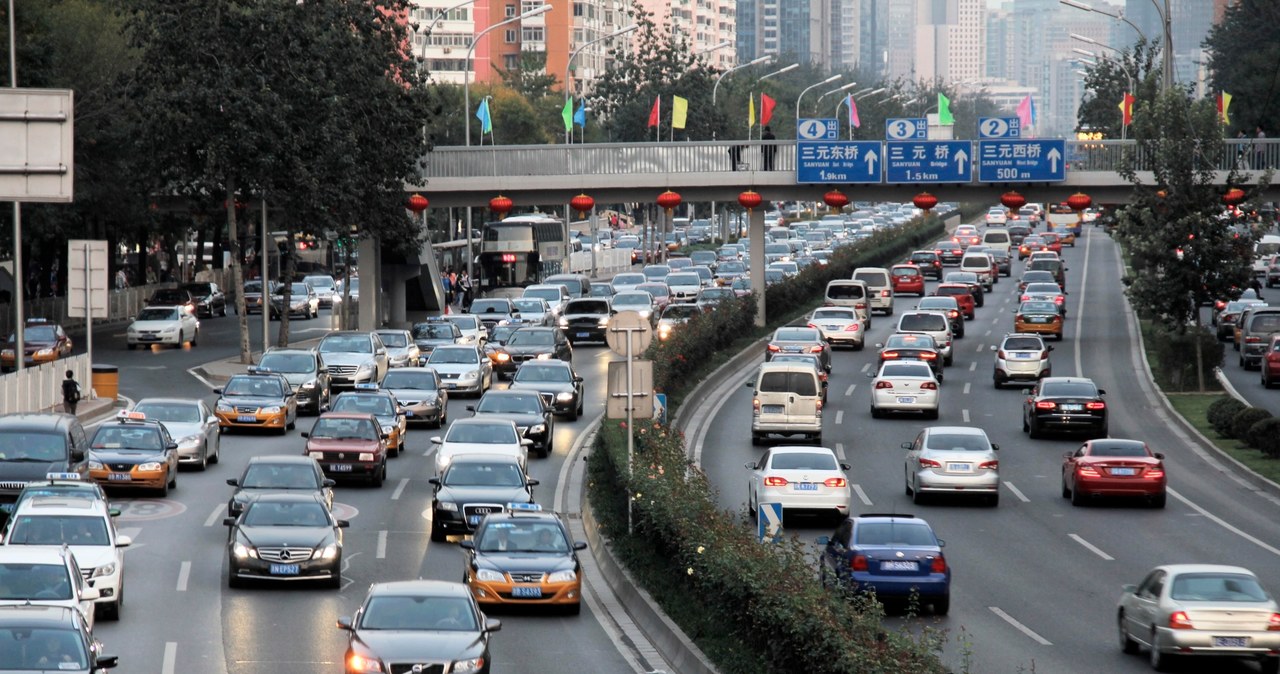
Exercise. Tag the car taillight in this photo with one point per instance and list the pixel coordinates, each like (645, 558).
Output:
(1154, 473)
(755, 405)
(1252, 340)
(774, 348)
(1178, 620)
(938, 252)
(815, 349)
(1095, 405)
(858, 563)
(1273, 623)
(888, 355)
(928, 355)
(939, 565)
(1045, 405)
(990, 465)
(835, 482)
(861, 306)
(884, 384)
(1058, 299)
(1086, 470)
(886, 293)
(1024, 298)
(1044, 355)
(775, 481)
(929, 386)
(852, 327)
(1001, 354)
(929, 463)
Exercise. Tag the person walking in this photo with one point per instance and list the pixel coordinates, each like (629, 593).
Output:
(448, 290)
(768, 150)
(70, 393)
(1260, 149)
(464, 297)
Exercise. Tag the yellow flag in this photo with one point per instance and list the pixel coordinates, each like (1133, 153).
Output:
(751, 111)
(679, 110)
(1224, 104)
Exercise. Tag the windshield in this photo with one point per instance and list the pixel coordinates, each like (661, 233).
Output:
(253, 386)
(285, 514)
(628, 279)
(510, 404)
(483, 434)
(394, 340)
(34, 581)
(289, 363)
(400, 379)
(1038, 308)
(467, 474)
(42, 649)
(464, 322)
(176, 412)
(501, 333)
(683, 279)
(279, 476)
(573, 284)
(346, 344)
(1224, 587)
(466, 356)
(522, 537)
(59, 529)
(542, 373)
(319, 282)
(38, 333)
(587, 307)
(795, 335)
(490, 307)
(295, 289)
(893, 533)
(906, 369)
(532, 338)
(410, 613)
(681, 311)
(531, 306)
(957, 442)
(379, 405)
(1072, 389)
(1048, 288)
(344, 429)
(732, 268)
(158, 314)
(1023, 344)
(633, 300)
(655, 289)
(433, 331)
(32, 446)
(128, 437)
(548, 294)
(803, 461)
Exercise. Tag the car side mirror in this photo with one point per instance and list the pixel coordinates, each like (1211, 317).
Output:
(994, 446)
(123, 541)
(750, 465)
(823, 540)
(907, 445)
(526, 442)
(433, 480)
(436, 440)
(218, 391)
(1102, 392)
(77, 455)
(90, 594)
(748, 384)
(579, 545)
(343, 524)
(305, 434)
(846, 466)
(1068, 455)
(233, 482)
(1049, 348)
(328, 483)
(1129, 589)
(492, 625)
(577, 379)
(344, 623)
(228, 521)
(533, 482)
(1159, 455)
(106, 661)
(1026, 391)
(942, 543)
(467, 545)
(471, 408)
(994, 347)
(171, 445)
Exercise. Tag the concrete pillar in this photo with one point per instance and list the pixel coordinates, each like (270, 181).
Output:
(755, 228)
(370, 303)
(397, 276)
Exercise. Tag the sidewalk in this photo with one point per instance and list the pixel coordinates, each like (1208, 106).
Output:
(219, 371)
(93, 410)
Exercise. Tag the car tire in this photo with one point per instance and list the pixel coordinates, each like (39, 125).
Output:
(1066, 491)
(1127, 645)
(876, 413)
(573, 609)
(1033, 431)
(948, 361)
(163, 490)
(379, 476)
(438, 534)
(1269, 665)
(1161, 662)
(752, 508)
(1158, 502)
(223, 312)
(994, 499)
(195, 337)
(931, 414)
(757, 439)
(917, 497)
(889, 311)
(234, 581)
(996, 383)
(1077, 498)
(942, 606)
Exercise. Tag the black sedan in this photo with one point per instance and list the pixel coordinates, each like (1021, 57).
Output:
(1064, 404)
(530, 343)
(557, 383)
(279, 473)
(791, 339)
(949, 252)
(929, 262)
(286, 537)
(584, 320)
(475, 485)
(404, 624)
(210, 299)
(913, 346)
(532, 416)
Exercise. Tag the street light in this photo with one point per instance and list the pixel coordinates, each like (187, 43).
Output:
(811, 87)
(1166, 19)
(722, 45)
(1119, 62)
(787, 69)
(569, 65)
(716, 89)
(836, 91)
(466, 71)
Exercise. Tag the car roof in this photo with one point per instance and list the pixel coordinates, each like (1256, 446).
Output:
(1178, 569)
(61, 505)
(32, 554)
(366, 416)
(291, 496)
(1066, 380)
(800, 449)
(35, 421)
(956, 430)
(37, 616)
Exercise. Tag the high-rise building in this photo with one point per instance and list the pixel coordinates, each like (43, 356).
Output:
(950, 43)
(705, 23)
(1190, 21)
(792, 29)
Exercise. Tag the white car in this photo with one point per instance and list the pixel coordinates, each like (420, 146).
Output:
(473, 331)
(628, 281)
(555, 294)
(952, 460)
(462, 368)
(533, 311)
(45, 576)
(86, 527)
(904, 386)
(639, 301)
(326, 288)
(684, 286)
(481, 435)
(341, 290)
(163, 325)
(997, 216)
(840, 325)
(190, 423)
(402, 351)
(806, 479)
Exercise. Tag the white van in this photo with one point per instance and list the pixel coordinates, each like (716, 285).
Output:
(879, 287)
(997, 239)
(1267, 246)
(787, 400)
(980, 264)
(850, 294)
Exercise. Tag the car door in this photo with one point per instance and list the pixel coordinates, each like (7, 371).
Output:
(563, 350)
(1028, 405)
(379, 355)
(758, 474)
(1145, 604)
(912, 460)
(802, 397)
(209, 428)
(837, 550)
(1069, 468)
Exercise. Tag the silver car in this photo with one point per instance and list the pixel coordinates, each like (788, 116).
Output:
(1199, 611)
(402, 351)
(840, 325)
(952, 460)
(639, 301)
(353, 358)
(533, 311)
(191, 424)
(904, 386)
(303, 301)
(1021, 357)
(326, 288)
(421, 395)
(462, 368)
(473, 330)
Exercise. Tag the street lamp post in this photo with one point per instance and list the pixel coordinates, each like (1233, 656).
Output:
(716, 89)
(19, 320)
(1124, 130)
(722, 45)
(568, 66)
(1166, 20)
(811, 87)
(466, 72)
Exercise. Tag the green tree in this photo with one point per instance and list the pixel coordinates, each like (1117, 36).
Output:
(1243, 51)
(1107, 82)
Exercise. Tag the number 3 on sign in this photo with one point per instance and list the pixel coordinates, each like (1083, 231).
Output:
(903, 129)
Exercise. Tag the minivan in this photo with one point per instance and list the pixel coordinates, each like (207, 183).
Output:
(1255, 334)
(997, 238)
(879, 287)
(982, 265)
(787, 400)
(578, 284)
(933, 323)
(35, 444)
(850, 294)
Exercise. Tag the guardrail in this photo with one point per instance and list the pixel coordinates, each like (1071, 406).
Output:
(39, 388)
(608, 261)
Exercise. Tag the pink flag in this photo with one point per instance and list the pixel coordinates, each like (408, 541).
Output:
(853, 113)
(1027, 112)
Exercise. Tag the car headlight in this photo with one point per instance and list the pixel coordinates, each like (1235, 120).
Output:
(8, 353)
(327, 552)
(241, 551)
(225, 408)
(564, 397)
(490, 576)
(168, 331)
(316, 455)
(448, 506)
(388, 429)
(95, 465)
(544, 356)
(501, 357)
(563, 576)
(366, 456)
(603, 322)
(467, 666)
(564, 322)
(538, 428)
(442, 462)
(645, 313)
(365, 367)
(191, 440)
(150, 465)
(104, 570)
(471, 375)
(44, 353)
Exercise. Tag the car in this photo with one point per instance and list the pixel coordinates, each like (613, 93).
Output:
(306, 374)
(462, 368)
(963, 294)
(1017, 233)
(802, 479)
(628, 281)
(949, 252)
(303, 301)
(585, 319)
(954, 460)
(966, 235)
(598, 289)
(435, 333)
(1035, 276)
(997, 216)
(577, 284)
(285, 537)
(950, 305)
(421, 395)
(531, 344)
(253, 295)
(1237, 334)
(493, 311)
(1039, 317)
(134, 452)
(403, 624)
(976, 287)
(326, 289)
(88, 530)
(728, 252)
(684, 286)
(1045, 292)
(42, 342)
(480, 435)
(675, 315)
(349, 445)
(174, 297)
(1053, 241)
(904, 386)
(712, 297)
(473, 329)
(729, 271)
(535, 310)
(1256, 328)
(348, 289)
(1225, 319)
(256, 400)
(913, 346)
(532, 416)
(982, 265)
(1113, 467)
(1199, 612)
(498, 339)
(557, 383)
(191, 423)
(368, 399)
(1051, 265)
(472, 487)
(554, 294)
(50, 639)
(1021, 357)
(1064, 404)
(62, 485)
(273, 473)
(45, 576)
(1003, 260)
(839, 325)
(741, 286)
(659, 291)
(353, 357)
(907, 280)
(1030, 244)
(790, 339)
(32, 445)
(402, 351)
(639, 301)
(808, 359)
(936, 324)
(507, 544)
(163, 325)
(895, 556)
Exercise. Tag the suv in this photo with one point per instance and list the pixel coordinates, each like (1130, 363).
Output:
(585, 319)
(304, 371)
(1064, 404)
(1021, 356)
(895, 556)
(353, 357)
(33, 445)
(1256, 329)
(66, 643)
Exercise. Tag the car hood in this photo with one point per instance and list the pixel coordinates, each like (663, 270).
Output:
(181, 429)
(243, 494)
(464, 495)
(454, 368)
(26, 471)
(346, 358)
(518, 418)
(297, 379)
(412, 395)
(422, 645)
(543, 386)
(154, 325)
(398, 351)
(127, 455)
(297, 537)
(527, 561)
(341, 445)
(432, 343)
(248, 401)
(529, 350)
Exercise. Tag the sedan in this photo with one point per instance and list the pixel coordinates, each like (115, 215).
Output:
(913, 346)
(279, 473)
(420, 394)
(949, 252)
(1225, 320)
(966, 235)
(1035, 276)
(950, 306)
(191, 424)
(285, 537)
(1200, 611)
(904, 386)
(462, 368)
(163, 325)
(210, 300)
(839, 325)
(1039, 317)
(531, 344)
(929, 262)
(806, 479)
(907, 280)
(1030, 245)
(897, 557)
(799, 340)
(470, 487)
(480, 435)
(1064, 404)
(532, 417)
(402, 351)
(1269, 366)
(970, 279)
(997, 216)
(303, 301)
(1050, 292)
(952, 460)
(628, 281)
(536, 311)
(557, 383)
(1113, 467)
(638, 301)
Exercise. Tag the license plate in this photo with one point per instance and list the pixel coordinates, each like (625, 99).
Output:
(408, 413)
(791, 349)
(473, 520)
(804, 486)
(450, 385)
(284, 569)
(1124, 471)
(906, 399)
(148, 338)
(959, 467)
(1231, 642)
(771, 409)
(831, 327)
(246, 419)
(1072, 407)
(1022, 356)
(897, 566)
(1040, 319)
(526, 592)
(581, 335)
(340, 467)
(119, 477)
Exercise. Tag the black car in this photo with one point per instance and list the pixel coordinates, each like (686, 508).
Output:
(950, 252)
(285, 537)
(173, 297)
(1064, 404)
(278, 473)
(210, 299)
(34, 445)
(473, 486)
(532, 416)
(1004, 261)
(49, 639)
(530, 344)
(413, 625)
(434, 333)
(557, 383)
(929, 262)
(585, 320)
(494, 311)
(913, 346)
(305, 372)
(1017, 233)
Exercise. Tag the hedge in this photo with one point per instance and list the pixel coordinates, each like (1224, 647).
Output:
(1265, 436)
(1220, 414)
(1175, 357)
(1244, 420)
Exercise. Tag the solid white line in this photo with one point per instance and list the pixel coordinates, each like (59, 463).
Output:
(382, 545)
(849, 391)
(202, 380)
(966, 387)
(1019, 626)
(1223, 523)
(973, 366)
(840, 450)
(862, 495)
(184, 575)
(1017, 492)
(170, 658)
(964, 414)
(839, 416)
(1091, 547)
(215, 517)
(395, 495)
(1088, 243)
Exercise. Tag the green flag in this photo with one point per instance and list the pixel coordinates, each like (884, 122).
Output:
(567, 114)
(944, 111)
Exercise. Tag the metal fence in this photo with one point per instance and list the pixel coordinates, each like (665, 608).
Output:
(608, 261)
(39, 388)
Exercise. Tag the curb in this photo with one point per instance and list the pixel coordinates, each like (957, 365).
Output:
(713, 380)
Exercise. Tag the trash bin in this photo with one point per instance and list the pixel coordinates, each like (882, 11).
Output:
(106, 381)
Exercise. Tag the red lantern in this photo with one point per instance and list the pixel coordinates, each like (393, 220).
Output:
(1012, 200)
(1160, 194)
(500, 205)
(669, 200)
(1079, 201)
(1233, 196)
(925, 201)
(835, 199)
(582, 204)
(749, 199)
(418, 203)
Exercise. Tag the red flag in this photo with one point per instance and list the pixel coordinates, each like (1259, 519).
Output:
(655, 112)
(766, 109)
(1126, 109)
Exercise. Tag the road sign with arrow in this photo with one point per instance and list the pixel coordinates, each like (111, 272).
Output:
(929, 161)
(1022, 161)
(839, 162)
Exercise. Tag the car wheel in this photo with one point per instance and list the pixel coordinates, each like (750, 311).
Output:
(994, 499)
(906, 483)
(942, 606)
(1066, 491)
(379, 476)
(234, 581)
(1025, 427)
(1033, 431)
(573, 413)
(931, 414)
(290, 425)
(916, 496)
(948, 360)
(163, 490)
(752, 508)
(223, 312)
(195, 336)
(217, 455)
(1158, 501)
(876, 413)
(1269, 665)
(1078, 498)
(1161, 662)
(204, 458)
(438, 534)
(995, 382)
(756, 439)
(889, 311)
(1127, 644)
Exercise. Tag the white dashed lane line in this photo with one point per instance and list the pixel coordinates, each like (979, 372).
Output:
(862, 495)
(184, 575)
(839, 417)
(1017, 492)
(395, 495)
(1019, 626)
(215, 517)
(1091, 547)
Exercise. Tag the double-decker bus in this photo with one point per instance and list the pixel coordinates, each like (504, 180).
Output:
(1062, 219)
(520, 251)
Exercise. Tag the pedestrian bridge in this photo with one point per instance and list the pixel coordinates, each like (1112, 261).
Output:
(541, 175)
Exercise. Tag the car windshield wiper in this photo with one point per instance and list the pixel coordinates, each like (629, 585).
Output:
(27, 459)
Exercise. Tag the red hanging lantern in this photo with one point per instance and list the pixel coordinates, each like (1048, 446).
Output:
(582, 204)
(835, 199)
(1012, 200)
(749, 199)
(418, 203)
(1160, 194)
(1233, 197)
(1079, 201)
(925, 201)
(500, 205)
(669, 200)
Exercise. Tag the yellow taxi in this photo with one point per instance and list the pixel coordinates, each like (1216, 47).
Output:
(42, 342)
(134, 452)
(544, 569)
(258, 399)
(1041, 317)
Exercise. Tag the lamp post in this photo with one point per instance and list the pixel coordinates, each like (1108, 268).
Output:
(809, 88)
(1166, 20)
(568, 66)
(836, 91)
(716, 89)
(722, 45)
(466, 72)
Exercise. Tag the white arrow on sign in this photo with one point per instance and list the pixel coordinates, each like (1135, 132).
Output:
(1054, 156)
(962, 160)
(871, 158)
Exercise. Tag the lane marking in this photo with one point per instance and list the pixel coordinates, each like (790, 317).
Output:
(1084, 278)
(170, 658)
(966, 387)
(1223, 523)
(1017, 492)
(981, 346)
(986, 334)
(849, 391)
(702, 426)
(866, 368)
(840, 450)
(973, 366)
(184, 575)
(964, 414)
(1091, 547)
(839, 417)
(1019, 626)
(862, 496)
(395, 495)
(215, 517)
(382, 545)
(202, 380)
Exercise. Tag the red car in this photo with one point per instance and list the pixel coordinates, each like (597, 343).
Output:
(1271, 362)
(1052, 242)
(963, 295)
(1113, 467)
(906, 279)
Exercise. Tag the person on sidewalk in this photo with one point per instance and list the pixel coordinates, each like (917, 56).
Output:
(70, 393)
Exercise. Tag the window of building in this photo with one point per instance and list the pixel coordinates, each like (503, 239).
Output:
(511, 36)
(579, 9)
(510, 11)
(510, 61)
(532, 34)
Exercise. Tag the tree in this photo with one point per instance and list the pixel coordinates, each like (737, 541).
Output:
(1107, 82)
(1243, 50)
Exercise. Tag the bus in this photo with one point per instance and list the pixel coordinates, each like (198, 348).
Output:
(1061, 218)
(520, 251)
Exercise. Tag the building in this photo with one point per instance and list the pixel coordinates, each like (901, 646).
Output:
(705, 23)
(950, 43)
(797, 30)
(1190, 23)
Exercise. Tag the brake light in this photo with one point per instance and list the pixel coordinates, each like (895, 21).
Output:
(861, 306)
(939, 565)
(811, 325)
(885, 293)
(815, 349)
(990, 465)
(755, 405)
(858, 563)
(818, 405)
(1058, 299)
(1178, 620)
(1086, 470)
(1095, 405)
(1252, 340)
(775, 481)
(929, 386)
(928, 355)
(852, 327)
(1044, 355)
(835, 482)
(1154, 473)
(1045, 405)
(774, 348)
(938, 252)
(1024, 298)
(1273, 623)
(1001, 354)
(888, 355)
(929, 463)
(884, 384)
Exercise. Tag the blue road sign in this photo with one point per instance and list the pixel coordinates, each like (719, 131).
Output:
(1022, 161)
(818, 129)
(769, 522)
(929, 161)
(839, 162)
(906, 128)
(999, 127)
(660, 407)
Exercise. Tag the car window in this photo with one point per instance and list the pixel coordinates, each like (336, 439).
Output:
(836, 314)
(510, 404)
(176, 412)
(34, 581)
(419, 381)
(799, 383)
(289, 363)
(379, 405)
(484, 434)
(1130, 449)
(59, 529)
(253, 386)
(434, 331)
(394, 340)
(957, 442)
(845, 292)
(532, 338)
(588, 307)
(157, 314)
(901, 369)
(922, 323)
(286, 514)
(346, 344)
(1023, 343)
(1068, 389)
(483, 475)
(796, 335)
(893, 533)
(279, 476)
(447, 356)
(1265, 323)
(530, 372)
(344, 429)
(1217, 587)
(465, 322)
(803, 461)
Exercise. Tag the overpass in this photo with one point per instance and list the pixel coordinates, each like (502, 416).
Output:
(550, 175)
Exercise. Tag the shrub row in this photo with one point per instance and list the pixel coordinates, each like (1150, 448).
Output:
(1174, 366)
(1231, 418)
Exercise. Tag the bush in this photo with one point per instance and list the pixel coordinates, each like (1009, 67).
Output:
(1244, 420)
(1265, 436)
(1174, 365)
(1220, 414)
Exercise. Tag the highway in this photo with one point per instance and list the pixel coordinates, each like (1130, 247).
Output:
(1035, 580)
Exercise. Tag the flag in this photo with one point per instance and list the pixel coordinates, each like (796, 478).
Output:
(679, 112)
(1126, 109)
(1224, 103)
(1027, 112)
(486, 123)
(853, 113)
(655, 112)
(766, 109)
(580, 117)
(751, 110)
(567, 115)
(944, 111)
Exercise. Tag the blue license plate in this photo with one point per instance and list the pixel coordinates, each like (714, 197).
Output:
(1022, 356)
(1124, 471)
(408, 413)
(473, 520)
(1069, 407)
(284, 569)
(581, 335)
(246, 419)
(906, 400)
(450, 385)
(804, 486)
(526, 592)
(119, 477)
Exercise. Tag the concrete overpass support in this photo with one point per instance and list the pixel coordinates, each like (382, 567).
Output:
(370, 304)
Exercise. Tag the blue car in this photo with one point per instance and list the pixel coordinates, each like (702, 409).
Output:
(895, 556)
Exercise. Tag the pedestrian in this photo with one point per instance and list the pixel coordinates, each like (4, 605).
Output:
(1256, 286)
(70, 393)
(735, 157)
(1260, 149)
(768, 150)
(448, 288)
(465, 282)
(122, 279)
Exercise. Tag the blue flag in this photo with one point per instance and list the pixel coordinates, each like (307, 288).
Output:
(580, 117)
(486, 124)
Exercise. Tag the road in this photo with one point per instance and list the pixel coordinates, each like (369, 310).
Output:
(1035, 580)
(180, 617)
